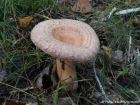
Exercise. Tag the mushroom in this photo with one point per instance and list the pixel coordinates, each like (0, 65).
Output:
(68, 40)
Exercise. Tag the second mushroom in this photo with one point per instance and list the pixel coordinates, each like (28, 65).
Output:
(68, 40)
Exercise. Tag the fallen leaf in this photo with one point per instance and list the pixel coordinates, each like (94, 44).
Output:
(25, 21)
(107, 51)
(107, 55)
(12, 102)
(82, 6)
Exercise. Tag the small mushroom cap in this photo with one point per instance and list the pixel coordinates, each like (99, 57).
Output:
(66, 39)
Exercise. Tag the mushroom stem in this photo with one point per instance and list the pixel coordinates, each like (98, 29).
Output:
(67, 74)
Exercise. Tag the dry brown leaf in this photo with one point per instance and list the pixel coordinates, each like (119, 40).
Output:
(25, 21)
(108, 59)
(12, 102)
(107, 51)
(82, 6)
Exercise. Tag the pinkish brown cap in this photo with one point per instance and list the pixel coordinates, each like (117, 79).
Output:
(66, 39)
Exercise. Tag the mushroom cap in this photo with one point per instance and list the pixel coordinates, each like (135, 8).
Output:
(66, 39)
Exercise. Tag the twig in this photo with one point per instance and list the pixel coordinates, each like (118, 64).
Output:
(110, 14)
(128, 11)
(99, 83)
(25, 89)
(46, 17)
(83, 80)
(129, 49)
(121, 13)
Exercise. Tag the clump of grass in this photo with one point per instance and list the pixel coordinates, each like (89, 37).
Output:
(19, 54)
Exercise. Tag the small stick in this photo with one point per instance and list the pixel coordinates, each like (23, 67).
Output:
(98, 81)
(25, 89)
(129, 49)
(110, 14)
(83, 80)
(128, 11)
(46, 17)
